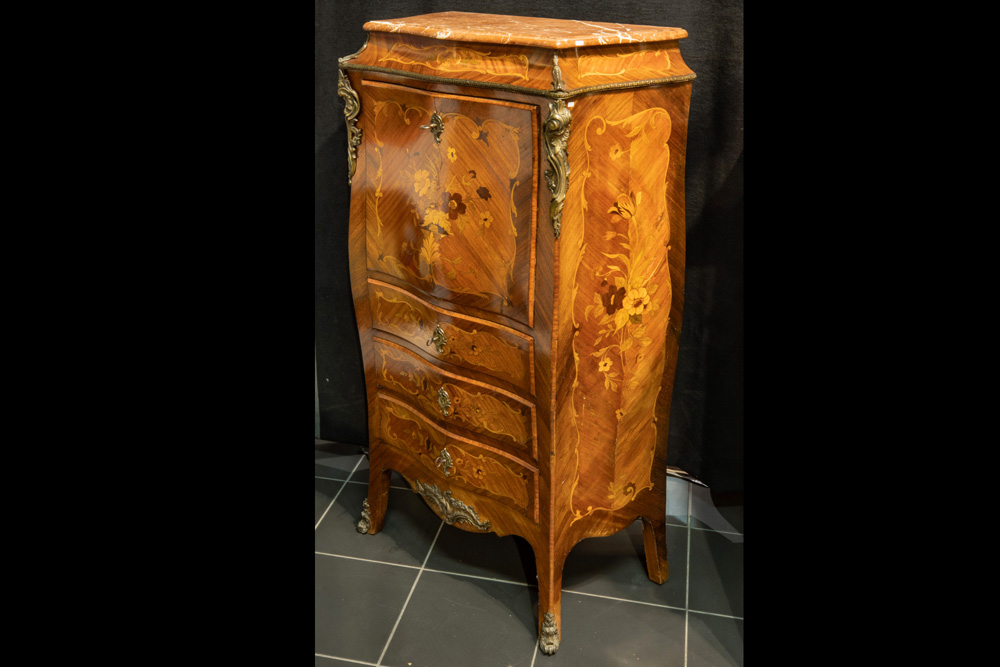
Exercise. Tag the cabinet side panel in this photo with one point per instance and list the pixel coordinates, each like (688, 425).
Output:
(357, 240)
(677, 100)
(546, 326)
(617, 281)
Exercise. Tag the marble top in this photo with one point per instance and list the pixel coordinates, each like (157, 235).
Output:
(523, 30)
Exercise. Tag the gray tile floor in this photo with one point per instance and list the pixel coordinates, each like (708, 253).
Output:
(423, 594)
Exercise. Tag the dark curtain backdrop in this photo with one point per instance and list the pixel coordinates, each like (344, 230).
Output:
(706, 426)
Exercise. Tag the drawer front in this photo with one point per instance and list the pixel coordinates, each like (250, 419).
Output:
(449, 192)
(451, 399)
(455, 460)
(475, 344)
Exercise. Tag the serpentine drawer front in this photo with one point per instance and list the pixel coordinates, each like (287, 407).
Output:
(467, 342)
(466, 464)
(455, 401)
(517, 264)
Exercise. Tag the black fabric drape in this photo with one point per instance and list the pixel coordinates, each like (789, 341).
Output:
(706, 428)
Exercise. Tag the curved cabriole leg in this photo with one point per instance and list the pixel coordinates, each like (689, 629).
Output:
(654, 540)
(373, 509)
(654, 533)
(549, 588)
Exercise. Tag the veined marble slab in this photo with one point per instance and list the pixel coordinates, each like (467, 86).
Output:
(523, 30)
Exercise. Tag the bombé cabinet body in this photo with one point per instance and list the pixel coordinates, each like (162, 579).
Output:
(517, 265)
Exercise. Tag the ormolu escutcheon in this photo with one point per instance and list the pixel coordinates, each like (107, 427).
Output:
(438, 338)
(444, 461)
(436, 126)
(444, 402)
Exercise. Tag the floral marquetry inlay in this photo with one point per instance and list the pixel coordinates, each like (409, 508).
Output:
(632, 279)
(461, 191)
(628, 282)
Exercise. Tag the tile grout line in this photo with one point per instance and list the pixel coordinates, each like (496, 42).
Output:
(369, 560)
(713, 613)
(687, 580)
(361, 458)
(357, 662)
(412, 588)
(358, 481)
(608, 597)
(707, 530)
(476, 576)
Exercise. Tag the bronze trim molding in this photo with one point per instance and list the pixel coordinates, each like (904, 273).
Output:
(352, 107)
(552, 94)
(557, 80)
(548, 637)
(356, 53)
(451, 509)
(556, 147)
(366, 518)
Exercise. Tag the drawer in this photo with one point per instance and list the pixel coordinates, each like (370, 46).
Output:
(468, 342)
(449, 195)
(452, 399)
(456, 460)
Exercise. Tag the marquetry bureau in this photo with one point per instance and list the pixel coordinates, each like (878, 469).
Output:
(517, 264)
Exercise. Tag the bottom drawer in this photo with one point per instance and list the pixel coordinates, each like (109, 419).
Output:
(463, 462)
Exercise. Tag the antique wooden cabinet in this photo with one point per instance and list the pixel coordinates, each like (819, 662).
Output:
(517, 266)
